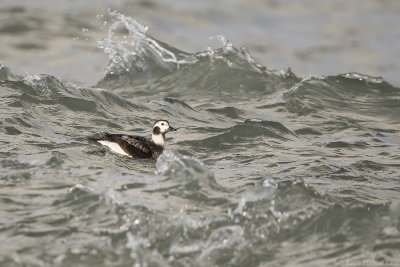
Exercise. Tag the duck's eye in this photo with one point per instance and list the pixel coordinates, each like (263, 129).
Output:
(162, 124)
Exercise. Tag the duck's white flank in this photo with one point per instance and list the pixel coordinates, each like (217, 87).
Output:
(114, 147)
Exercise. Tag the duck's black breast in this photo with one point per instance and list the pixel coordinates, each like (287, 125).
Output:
(135, 146)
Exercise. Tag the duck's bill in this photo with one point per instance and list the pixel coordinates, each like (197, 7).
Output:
(171, 129)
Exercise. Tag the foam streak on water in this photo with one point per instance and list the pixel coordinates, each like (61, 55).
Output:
(266, 168)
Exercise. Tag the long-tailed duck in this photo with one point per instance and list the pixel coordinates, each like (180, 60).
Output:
(138, 146)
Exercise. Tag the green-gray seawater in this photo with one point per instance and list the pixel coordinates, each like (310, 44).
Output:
(267, 168)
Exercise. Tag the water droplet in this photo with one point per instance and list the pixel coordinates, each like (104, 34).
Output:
(75, 250)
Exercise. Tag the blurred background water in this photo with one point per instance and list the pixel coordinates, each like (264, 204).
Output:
(271, 166)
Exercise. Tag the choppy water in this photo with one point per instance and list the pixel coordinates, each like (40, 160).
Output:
(267, 168)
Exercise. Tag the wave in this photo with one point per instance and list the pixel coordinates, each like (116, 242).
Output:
(264, 163)
(347, 92)
(49, 90)
(141, 59)
(6, 74)
(266, 213)
(248, 130)
(140, 65)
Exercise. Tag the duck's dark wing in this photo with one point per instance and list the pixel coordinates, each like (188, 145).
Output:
(136, 146)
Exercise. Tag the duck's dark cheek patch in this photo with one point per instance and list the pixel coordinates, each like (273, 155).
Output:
(156, 130)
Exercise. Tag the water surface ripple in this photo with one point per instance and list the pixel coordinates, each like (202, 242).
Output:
(267, 168)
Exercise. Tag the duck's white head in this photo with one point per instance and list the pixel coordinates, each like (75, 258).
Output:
(160, 128)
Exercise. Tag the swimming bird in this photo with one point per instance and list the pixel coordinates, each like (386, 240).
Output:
(138, 146)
